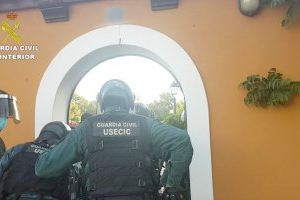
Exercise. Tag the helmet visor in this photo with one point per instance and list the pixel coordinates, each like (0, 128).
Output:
(8, 107)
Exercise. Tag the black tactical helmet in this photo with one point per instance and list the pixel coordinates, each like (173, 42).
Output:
(116, 93)
(57, 128)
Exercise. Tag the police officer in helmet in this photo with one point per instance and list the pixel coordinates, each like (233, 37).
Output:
(17, 168)
(119, 149)
(8, 109)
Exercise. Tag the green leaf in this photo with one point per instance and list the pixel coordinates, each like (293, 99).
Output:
(271, 91)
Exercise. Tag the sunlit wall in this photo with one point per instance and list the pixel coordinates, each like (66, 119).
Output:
(255, 151)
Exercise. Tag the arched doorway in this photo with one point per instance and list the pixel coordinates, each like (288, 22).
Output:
(86, 51)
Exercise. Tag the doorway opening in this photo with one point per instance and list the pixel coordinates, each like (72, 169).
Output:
(157, 95)
(153, 86)
(92, 48)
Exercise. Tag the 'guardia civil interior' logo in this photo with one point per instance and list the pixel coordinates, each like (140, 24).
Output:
(10, 41)
(11, 29)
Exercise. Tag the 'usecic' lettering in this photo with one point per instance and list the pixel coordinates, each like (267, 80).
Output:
(116, 131)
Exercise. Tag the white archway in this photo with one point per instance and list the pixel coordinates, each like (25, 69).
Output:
(92, 48)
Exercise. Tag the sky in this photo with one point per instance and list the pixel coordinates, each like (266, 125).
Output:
(146, 78)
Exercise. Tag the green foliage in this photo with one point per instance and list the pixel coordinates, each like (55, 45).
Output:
(74, 112)
(175, 120)
(292, 12)
(162, 108)
(80, 105)
(270, 91)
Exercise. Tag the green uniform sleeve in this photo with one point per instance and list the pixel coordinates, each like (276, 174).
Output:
(176, 144)
(57, 160)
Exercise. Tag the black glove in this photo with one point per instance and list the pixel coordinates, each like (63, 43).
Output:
(171, 193)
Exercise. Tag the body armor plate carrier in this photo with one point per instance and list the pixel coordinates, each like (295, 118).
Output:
(119, 156)
(20, 176)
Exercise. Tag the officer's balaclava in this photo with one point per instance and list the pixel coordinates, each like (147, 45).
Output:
(3, 122)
